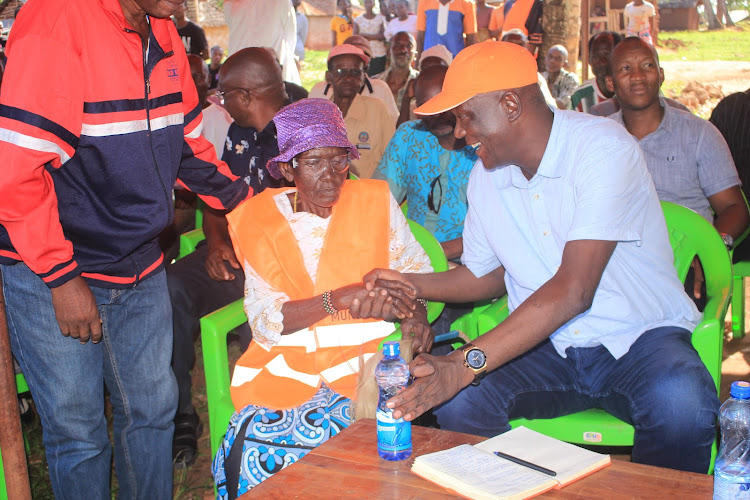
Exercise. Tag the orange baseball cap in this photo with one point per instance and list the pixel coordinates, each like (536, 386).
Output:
(481, 68)
(346, 49)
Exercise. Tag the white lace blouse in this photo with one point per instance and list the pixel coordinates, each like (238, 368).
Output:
(263, 303)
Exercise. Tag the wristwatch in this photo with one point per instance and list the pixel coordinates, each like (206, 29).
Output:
(728, 240)
(475, 360)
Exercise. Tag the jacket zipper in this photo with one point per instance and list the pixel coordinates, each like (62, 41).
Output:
(147, 89)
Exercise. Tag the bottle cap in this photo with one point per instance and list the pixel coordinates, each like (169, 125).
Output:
(740, 390)
(394, 349)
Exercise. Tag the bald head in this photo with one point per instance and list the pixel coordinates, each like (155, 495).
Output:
(252, 87)
(253, 68)
(628, 44)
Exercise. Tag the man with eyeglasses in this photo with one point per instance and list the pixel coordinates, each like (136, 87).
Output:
(368, 124)
(252, 90)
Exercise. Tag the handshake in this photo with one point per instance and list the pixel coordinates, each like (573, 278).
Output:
(387, 294)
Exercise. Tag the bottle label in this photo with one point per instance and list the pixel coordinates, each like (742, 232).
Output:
(726, 489)
(394, 435)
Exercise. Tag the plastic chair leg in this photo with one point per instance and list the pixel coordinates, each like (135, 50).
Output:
(738, 307)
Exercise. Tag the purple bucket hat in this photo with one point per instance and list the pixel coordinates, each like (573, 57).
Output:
(308, 124)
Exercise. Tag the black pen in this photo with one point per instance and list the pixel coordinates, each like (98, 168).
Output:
(525, 463)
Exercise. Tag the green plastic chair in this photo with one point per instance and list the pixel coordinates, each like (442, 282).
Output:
(690, 235)
(216, 326)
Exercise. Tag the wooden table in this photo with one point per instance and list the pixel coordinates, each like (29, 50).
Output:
(348, 466)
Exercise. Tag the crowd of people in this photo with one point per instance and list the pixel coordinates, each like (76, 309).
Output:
(535, 185)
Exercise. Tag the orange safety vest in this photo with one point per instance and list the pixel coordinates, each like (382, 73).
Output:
(329, 351)
(518, 15)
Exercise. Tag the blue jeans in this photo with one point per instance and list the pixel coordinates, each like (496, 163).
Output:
(67, 382)
(660, 386)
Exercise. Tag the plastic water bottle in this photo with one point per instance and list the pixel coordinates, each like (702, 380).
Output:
(392, 375)
(732, 468)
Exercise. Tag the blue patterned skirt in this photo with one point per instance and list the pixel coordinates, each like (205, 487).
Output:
(274, 439)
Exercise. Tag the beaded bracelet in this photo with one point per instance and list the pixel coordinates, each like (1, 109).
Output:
(423, 302)
(328, 303)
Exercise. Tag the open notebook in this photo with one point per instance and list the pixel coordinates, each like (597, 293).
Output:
(476, 472)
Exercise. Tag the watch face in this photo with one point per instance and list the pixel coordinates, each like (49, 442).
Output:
(475, 358)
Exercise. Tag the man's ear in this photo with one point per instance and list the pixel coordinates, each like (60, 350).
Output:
(610, 83)
(329, 77)
(511, 104)
(287, 170)
(661, 76)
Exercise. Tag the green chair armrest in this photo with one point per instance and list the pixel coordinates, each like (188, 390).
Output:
(190, 240)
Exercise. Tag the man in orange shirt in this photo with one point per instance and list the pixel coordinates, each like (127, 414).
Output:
(446, 22)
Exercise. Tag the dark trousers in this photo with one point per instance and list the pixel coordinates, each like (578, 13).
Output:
(194, 294)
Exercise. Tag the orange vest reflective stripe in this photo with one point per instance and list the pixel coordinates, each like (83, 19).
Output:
(518, 15)
(357, 241)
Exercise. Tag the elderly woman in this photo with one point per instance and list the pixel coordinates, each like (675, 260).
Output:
(305, 250)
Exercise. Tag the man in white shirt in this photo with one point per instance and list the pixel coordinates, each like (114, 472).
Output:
(639, 19)
(260, 23)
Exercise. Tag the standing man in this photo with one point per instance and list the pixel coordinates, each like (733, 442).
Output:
(564, 217)
(639, 19)
(264, 23)
(400, 72)
(192, 35)
(446, 22)
(303, 26)
(252, 91)
(368, 124)
(594, 90)
(688, 158)
(217, 55)
(85, 189)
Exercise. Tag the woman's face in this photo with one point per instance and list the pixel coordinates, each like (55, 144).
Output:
(319, 175)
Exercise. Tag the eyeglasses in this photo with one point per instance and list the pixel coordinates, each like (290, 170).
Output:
(431, 196)
(339, 73)
(221, 94)
(338, 164)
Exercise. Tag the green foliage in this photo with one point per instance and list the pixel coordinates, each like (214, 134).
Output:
(313, 68)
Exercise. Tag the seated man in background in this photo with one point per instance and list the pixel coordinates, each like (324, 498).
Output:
(371, 87)
(368, 125)
(561, 83)
(688, 158)
(252, 90)
(564, 217)
(594, 90)
(428, 167)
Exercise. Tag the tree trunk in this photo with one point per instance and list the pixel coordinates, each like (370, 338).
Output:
(713, 22)
(562, 25)
(723, 13)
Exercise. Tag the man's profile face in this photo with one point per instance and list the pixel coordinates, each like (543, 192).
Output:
(347, 75)
(636, 75)
(199, 72)
(402, 50)
(601, 50)
(478, 122)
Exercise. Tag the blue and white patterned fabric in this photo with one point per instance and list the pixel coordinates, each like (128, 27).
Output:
(274, 439)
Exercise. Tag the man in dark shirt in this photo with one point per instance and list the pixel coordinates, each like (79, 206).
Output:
(217, 54)
(732, 117)
(252, 90)
(192, 35)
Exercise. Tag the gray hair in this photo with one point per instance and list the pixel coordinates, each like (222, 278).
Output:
(560, 49)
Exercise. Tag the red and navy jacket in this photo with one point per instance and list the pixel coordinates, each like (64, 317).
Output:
(96, 127)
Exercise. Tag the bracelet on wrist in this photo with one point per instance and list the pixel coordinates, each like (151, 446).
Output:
(328, 303)
(423, 302)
